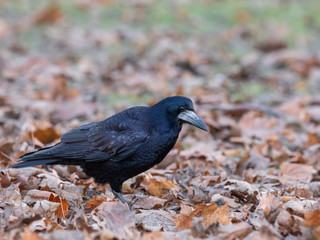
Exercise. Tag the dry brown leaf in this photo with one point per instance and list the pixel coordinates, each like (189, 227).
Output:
(294, 107)
(5, 180)
(34, 195)
(6, 149)
(243, 190)
(270, 206)
(52, 225)
(252, 124)
(115, 217)
(67, 234)
(230, 201)
(313, 139)
(312, 218)
(45, 207)
(210, 213)
(183, 221)
(185, 209)
(314, 112)
(286, 223)
(10, 194)
(317, 233)
(185, 235)
(302, 190)
(62, 210)
(26, 172)
(50, 14)
(152, 236)
(147, 202)
(243, 16)
(294, 173)
(297, 207)
(314, 188)
(43, 131)
(30, 235)
(286, 198)
(66, 190)
(156, 220)
(202, 150)
(312, 155)
(235, 230)
(233, 152)
(160, 188)
(94, 202)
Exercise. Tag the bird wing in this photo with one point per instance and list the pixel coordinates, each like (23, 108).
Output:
(107, 140)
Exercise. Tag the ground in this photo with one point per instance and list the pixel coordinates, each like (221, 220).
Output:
(251, 67)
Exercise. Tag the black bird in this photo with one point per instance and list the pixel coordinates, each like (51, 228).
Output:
(122, 146)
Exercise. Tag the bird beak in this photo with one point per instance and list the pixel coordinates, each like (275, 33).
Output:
(190, 117)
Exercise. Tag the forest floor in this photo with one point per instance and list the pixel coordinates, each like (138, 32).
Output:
(252, 69)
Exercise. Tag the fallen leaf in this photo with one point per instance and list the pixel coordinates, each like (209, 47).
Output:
(94, 202)
(147, 202)
(45, 207)
(302, 190)
(235, 230)
(253, 124)
(62, 210)
(152, 236)
(270, 205)
(66, 190)
(243, 190)
(43, 131)
(115, 217)
(297, 207)
(50, 14)
(312, 218)
(30, 235)
(210, 213)
(156, 220)
(294, 173)
(313, 139)
(202, 150)
(160, 188)
(286, 223)
(11, 194)
(66, 234)
(35, 195)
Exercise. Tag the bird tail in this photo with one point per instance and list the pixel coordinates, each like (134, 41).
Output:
(36, 158)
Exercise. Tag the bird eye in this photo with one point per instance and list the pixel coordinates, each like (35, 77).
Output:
(181, 108)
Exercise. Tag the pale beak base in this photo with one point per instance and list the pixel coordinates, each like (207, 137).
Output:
(190, 117)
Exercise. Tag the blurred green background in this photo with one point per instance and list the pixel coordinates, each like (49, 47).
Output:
(220, 44)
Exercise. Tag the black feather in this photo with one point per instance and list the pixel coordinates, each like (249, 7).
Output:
(121, 146)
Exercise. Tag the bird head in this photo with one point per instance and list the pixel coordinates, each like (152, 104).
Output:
(179, 108)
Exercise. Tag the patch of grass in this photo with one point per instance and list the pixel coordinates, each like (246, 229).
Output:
(114, 100)
(247, 90)
(207, 19)
(195, 17)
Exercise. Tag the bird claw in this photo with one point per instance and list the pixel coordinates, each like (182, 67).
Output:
(132, 202)
(120, 197)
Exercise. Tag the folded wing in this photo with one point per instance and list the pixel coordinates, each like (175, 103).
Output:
(108, 140)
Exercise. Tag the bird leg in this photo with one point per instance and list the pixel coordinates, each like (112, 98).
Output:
(118, 195)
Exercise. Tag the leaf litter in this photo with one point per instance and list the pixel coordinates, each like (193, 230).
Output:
(255, 175)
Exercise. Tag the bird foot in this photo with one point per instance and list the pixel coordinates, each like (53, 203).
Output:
(129, 204)
(132, 202)
(118, 195)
